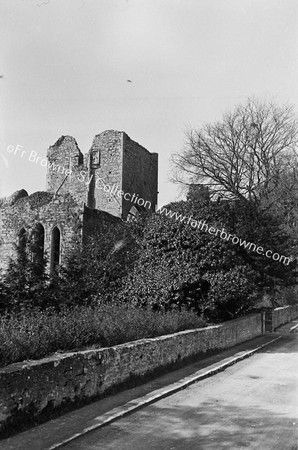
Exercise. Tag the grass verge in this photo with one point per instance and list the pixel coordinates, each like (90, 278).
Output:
(34, 334)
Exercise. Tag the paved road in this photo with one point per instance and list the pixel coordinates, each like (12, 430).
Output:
(251, 405)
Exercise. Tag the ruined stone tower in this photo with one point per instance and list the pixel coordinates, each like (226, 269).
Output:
(114, 164)
(116, 180)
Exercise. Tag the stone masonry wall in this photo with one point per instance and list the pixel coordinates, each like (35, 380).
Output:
(125, 165)
(279, 316)
(43, 208)
(96, 222)
(33, 387)
(114, 161)
(140, 174)
(106, 164)
(66, 169)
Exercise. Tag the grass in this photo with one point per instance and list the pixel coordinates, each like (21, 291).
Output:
(34, 334)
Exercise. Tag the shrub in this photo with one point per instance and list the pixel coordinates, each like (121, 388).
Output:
(25, 280)
(286, 296)
(179, 265)
(96, 269)
(35, 333)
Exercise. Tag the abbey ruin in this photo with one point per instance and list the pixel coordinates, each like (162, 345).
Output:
(114, 181)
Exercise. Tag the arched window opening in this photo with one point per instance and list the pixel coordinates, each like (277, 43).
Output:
(22, 247)
(55, 249)
(38, 246)
(22, 240)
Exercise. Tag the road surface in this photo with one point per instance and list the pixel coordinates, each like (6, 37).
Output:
(251, 405)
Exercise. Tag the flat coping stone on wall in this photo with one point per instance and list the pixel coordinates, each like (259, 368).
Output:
(33, 388)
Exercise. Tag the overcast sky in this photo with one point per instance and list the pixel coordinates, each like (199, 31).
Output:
(65, 66)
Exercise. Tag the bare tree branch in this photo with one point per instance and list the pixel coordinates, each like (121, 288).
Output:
(245, 155)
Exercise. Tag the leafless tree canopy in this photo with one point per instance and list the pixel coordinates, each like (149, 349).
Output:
(243, 156)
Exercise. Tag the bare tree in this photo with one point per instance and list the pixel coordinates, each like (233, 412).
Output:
(245, 155)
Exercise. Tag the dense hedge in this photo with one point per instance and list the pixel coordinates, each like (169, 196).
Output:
(33, 334)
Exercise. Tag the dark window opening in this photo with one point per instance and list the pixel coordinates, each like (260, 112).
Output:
(22, 240)
(38, 247)
(95, 158)
(78, 160)
(55, 249)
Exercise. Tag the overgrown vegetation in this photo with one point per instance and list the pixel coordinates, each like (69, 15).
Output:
(162, 273)
(164, 264)
(96, 269)
(35, 333)
(179, 265)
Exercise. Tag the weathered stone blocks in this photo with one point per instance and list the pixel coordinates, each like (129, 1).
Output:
(79, 195)
(30, 388)
(279, 316)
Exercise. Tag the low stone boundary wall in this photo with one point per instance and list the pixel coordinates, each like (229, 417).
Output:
(279, 316)
(34, 388)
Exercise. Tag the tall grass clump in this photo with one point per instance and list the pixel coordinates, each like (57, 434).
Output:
(36, 333)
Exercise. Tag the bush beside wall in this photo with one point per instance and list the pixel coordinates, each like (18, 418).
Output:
(33, 388)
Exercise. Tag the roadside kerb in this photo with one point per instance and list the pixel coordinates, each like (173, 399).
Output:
(152, 397)
(293, 328)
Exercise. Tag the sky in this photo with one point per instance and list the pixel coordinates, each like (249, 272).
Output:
(64, 66)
